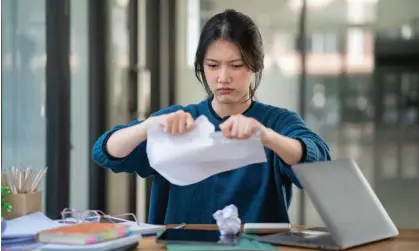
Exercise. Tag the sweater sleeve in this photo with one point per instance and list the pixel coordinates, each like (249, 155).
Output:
(290, 124)
(314, 147)
(136, 161)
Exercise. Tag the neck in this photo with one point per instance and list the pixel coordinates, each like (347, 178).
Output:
(224, 110)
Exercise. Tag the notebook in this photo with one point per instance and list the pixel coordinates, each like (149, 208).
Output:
(84, 233)
(121, 244)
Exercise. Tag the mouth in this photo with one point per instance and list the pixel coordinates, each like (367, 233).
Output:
(225, 90)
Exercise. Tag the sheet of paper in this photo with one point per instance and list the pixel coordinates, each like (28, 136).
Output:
(192, 157)
(19, 246)
(28, 225)
(10, 241)
(144, 228)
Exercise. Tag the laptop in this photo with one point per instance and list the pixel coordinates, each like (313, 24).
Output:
(345, 201)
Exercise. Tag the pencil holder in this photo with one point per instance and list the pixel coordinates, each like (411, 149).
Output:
(23, 204)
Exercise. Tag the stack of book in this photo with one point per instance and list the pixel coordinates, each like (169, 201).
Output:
(91, 236)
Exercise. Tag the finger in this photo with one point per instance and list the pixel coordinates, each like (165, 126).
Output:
(243, 125)
(182, 123)
(225, 127)
(243, 128)
(190, 123)
(247, 130)
(168, 123)
(175, 123)
(235, 129)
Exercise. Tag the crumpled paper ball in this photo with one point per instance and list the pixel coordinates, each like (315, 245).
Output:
(228, 220)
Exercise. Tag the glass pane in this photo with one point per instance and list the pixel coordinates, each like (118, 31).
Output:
(409, 100)
(79, 67)
(118, 61)
(117, 101)
(23, 83)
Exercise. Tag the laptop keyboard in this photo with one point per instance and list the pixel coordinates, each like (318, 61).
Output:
(322, 240)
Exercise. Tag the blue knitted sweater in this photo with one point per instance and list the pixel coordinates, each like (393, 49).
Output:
(262, 192)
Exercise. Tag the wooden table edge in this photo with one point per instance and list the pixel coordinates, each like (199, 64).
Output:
(407, 240)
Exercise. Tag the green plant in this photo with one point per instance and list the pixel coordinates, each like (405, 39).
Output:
(5, 206)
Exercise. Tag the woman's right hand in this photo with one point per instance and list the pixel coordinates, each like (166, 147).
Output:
(179, 122)
(122, 142)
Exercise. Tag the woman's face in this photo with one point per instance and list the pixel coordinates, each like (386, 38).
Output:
(227, 75)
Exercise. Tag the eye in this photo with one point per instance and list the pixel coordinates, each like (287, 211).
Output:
(237, 65)
(212, 65)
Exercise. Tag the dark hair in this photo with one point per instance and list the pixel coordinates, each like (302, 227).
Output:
(240, 29)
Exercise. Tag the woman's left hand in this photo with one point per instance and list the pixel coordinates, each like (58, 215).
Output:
(241, 127)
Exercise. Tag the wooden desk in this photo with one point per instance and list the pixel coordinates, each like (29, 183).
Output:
(408, 240)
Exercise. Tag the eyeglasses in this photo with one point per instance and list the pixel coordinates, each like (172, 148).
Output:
(72, 216)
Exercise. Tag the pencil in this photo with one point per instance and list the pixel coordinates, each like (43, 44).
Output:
(36, 183)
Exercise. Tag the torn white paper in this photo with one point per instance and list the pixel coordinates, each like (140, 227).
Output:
(228, 220)
(194, 156)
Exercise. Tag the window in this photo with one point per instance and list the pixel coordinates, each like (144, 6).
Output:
(23, 83)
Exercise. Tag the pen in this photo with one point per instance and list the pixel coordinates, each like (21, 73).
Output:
(179, 226)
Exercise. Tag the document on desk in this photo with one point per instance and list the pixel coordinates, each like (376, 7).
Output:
(144, 228)
(20, 233)
(28, 226)
(192, 157)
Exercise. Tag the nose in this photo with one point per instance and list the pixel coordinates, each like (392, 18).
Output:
(224, 76)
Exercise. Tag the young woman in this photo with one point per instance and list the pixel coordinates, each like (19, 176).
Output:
(229, 64)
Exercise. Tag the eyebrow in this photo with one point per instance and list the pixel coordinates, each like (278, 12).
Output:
(213, 60)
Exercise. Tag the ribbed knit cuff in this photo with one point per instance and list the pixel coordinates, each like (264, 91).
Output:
(304, 147)
(100, 155)
(310, 150)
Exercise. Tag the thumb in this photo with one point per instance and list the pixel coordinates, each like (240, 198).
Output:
(262, 132)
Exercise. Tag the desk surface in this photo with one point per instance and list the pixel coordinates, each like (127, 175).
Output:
(408, 240)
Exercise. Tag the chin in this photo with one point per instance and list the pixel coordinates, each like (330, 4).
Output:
(226, 99)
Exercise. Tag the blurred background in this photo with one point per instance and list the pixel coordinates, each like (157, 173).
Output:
(349, 67)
